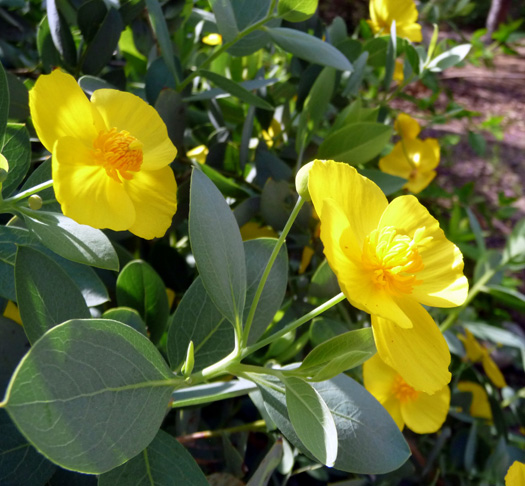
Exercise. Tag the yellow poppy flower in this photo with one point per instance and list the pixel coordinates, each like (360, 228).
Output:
(480, 406)
(111, 156)
(406, 126)
(198, 153)
(420, 412)
(414, 160)
(476, 352)
(212, 39)
(389, 259)
(404, 12)
(515, 475)
(253, 230)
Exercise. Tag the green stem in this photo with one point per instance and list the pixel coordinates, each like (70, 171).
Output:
(269, 265)
(206, 434)
(478, 286)
(224, 48)
(30, 192)
(240, 369)
(293, 325)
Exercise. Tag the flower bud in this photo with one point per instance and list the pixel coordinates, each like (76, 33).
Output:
(35, 202)
(301, 181)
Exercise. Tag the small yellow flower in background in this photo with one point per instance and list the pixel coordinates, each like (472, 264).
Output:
(406, 126)
(420, 412)
(414, 160)
(253, 230)
(11, 312)
(515, 475)
(399, 74)
(111, 156)
(404, 12)
(480, 406)
(198, 153)
(212, 39)
(306, 258)
(476, 352)
(273, 133)
(390, 259)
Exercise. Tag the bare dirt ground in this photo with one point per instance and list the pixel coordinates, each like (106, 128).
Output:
(493, 92)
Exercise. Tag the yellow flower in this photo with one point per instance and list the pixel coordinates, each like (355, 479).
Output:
(414, 160)
(404, 12)
(515, 475)
(406, 126)
(212, 39)
(198, 153)
(480, 406)
(253, 230)
(420, 412)
(273, 133)
(389, 259)
(11, 312)
(476, 352)
(306, 258)
(399, 74)
(111, 156)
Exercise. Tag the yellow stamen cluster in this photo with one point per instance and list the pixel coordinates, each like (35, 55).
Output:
(119, 153)
(393, 259)
(402, 391)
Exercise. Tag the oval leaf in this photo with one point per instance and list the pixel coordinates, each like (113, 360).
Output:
(296, 10)
(309, 48)
(217, 247)
(356, 143)
(311, 420)
(90, 394)
(46, 295)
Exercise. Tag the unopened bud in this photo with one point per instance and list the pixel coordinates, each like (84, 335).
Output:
(35, 202)
(301, 181)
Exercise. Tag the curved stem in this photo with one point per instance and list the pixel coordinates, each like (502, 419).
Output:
(30, 192)
(269, 265)
(293, 325)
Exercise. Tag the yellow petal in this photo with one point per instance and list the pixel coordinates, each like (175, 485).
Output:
(212, 39)
(125, 111)
(406, 126)
(480, 406)
(85, 191)
(419, 181)
(426, 413)
(396, 162)
(154, 195)
(475, 351)
(252, 230)
(378, 378)
(492, 371)
(59, 108)
(420, 354)
(306, 258)
(351, 191)
(442, 281)
(515, 475)
(399, 74)
(12, 312)
(412, 32)
(404, 12)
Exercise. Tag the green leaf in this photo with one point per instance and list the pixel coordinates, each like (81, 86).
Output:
(61, 34)
(391, 54)
(7, 281)
(271, 461)
(76, 242)
(211, 392)
(90, 17)
(315, 106)
(296, 10)
(47, 51)
(386, 182)
(369, 440)
(197, 319)
(4, 101)
(46, 295)
(356, 143)
(309, 48)
(258, 253)
(476, 229)
(20, 463)
(16, 148)
(225, 18)
(449, 58)
(338, 354)
(217, 247)
(90, 394)
(356, 78)
(18, 98)
(512, 298)
(249, 85)
(324, 283)
(13, 346)
(514, 252)
(90, 84)
(311, 420)
(128, 316)
(165, 461)
(99, 50)
(140, 287)
(226, 185)
(236, 90)
(158, 21)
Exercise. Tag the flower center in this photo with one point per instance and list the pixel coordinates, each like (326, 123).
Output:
(393, 259)
(118, 152)
(402, 391)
